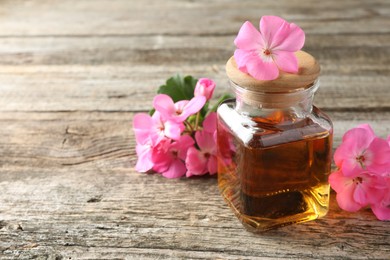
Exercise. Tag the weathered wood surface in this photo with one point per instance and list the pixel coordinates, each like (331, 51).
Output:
(72, 75)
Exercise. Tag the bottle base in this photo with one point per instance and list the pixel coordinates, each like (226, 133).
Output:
(256, 224)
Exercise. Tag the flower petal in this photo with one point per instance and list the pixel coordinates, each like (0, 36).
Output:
(161, 157)
(380, 163)
(212, 165)
(361, 137)
(361, 194)
(210, 123)
(286, 61)
(273, 29)
(173, 129)
(260, 69)
(382, 208)
(248, 37)
(182, 146)
(351, 167)
(205, 141)
(375, 195)
(339, 155)
(144, 162)
(345, 199)
(382, 212)
(157, 132)
(192, 107)
(338, 181)
(177, 169)
(142, 123)
(196, 163)
(370, 131)
(241, 57)
(294, 40)
(164, 104)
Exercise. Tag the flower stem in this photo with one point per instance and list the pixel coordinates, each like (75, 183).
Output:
(197, 121)
(189, 126)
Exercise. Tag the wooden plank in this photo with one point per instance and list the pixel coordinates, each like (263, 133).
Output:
(106, 140)
(351, 51)
(122, 17)
(81, 212)
(114, 74)
(63, 141)
(124, 88)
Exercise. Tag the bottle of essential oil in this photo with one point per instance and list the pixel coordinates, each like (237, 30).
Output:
(274, 148)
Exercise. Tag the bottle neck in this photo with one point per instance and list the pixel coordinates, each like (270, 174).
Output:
(287, 105)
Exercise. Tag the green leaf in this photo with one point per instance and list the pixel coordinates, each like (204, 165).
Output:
(220, 100)
(190, 83)
(151, 111)
(179, 88)
(204, 109)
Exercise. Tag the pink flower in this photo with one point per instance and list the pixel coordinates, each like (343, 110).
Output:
(199, 162)
(362, 151)
(262, 54)
(179, 111)
(204, 87)
(382, 208)
(169, 157)
(353, 193)
(155, 127)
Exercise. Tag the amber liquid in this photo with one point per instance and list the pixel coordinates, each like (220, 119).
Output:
(274, 173)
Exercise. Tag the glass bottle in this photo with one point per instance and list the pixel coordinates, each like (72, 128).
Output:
(274, 148)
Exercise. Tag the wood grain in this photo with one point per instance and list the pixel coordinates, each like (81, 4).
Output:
(74, 73)
(124, 220)
(122, 88)
(120, 73)
(218, 17)
(57, 139)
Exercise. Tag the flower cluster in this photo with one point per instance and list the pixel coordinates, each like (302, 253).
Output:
(179, 138)
(363, 175)
(263, 53)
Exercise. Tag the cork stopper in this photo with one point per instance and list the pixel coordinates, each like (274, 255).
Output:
(308, 72)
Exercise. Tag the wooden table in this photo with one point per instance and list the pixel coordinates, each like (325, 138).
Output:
(73, 74)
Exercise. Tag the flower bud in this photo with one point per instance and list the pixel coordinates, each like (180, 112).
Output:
(205, 87)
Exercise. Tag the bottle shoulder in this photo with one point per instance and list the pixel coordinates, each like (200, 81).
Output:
(271, 130)
(321, 118)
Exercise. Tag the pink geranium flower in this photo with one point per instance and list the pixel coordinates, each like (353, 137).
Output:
(155, 127)
(169, 157)
(353, 193)
(362, 151)
(199, 162)
(179, 111)
(262, 54)
(204, 87)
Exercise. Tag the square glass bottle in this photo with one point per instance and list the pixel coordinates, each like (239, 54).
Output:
(274, 148)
